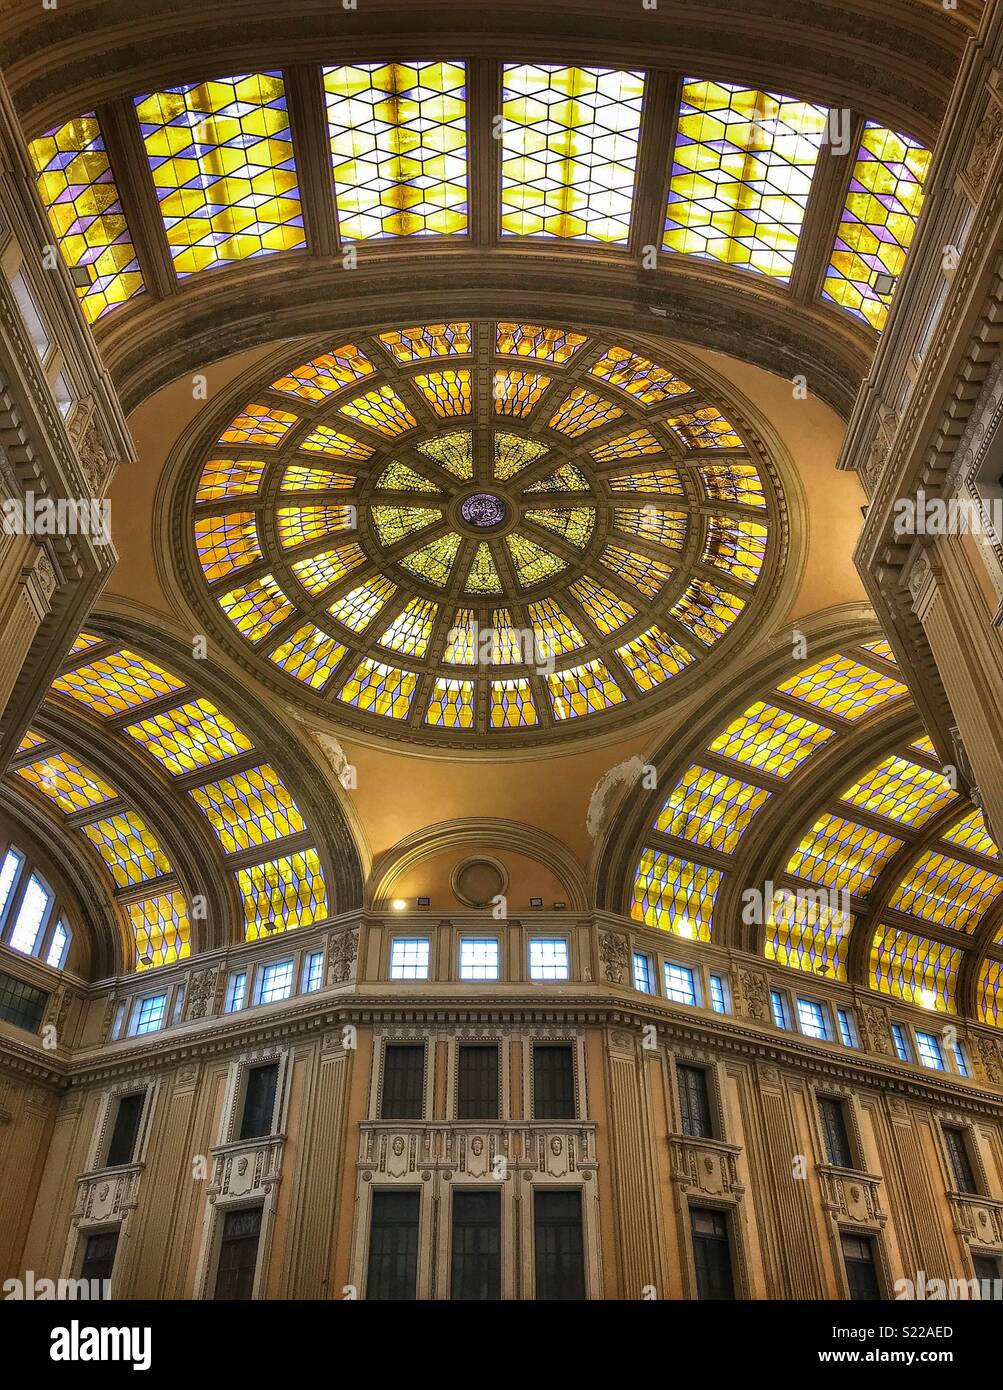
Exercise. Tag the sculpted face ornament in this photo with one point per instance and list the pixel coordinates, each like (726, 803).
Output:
(483, 510)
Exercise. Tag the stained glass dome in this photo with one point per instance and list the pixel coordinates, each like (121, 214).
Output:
(481, 531)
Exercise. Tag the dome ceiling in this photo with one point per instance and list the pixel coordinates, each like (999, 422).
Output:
(468, 532)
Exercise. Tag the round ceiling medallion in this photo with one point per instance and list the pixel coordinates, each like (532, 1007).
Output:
(480, 534)
(479, 882)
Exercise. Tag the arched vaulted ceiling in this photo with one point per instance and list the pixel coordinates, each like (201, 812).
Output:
(684, 196)
(815, 825)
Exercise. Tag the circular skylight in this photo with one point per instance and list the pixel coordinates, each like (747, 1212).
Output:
(484, 532)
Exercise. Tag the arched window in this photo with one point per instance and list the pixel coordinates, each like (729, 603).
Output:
(31, 920)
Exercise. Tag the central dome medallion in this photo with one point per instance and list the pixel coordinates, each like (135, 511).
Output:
(481, 533)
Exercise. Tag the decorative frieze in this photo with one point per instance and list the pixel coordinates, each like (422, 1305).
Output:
(247, 1168)
(106, 1196)
(613, 950)
(705, 1167)
(852, 1196)
(396, 1151)
(978, 1220)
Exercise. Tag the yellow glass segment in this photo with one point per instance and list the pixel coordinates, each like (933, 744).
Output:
(286, 892)
(580, 690)
(31, 739)
(248, 809)
(736, 547)
(841, 686)
(653, 658)
(915, 969)
(842, 855)
(604, 609)
(581, 411)
(924, 745)
(500, 643)
(318, 572)
(654, 524)
(808, 935)
(259, 424)
(79, 195)
(401, 477)
(117, 682)
(554, 631)
(513, 454)
(300, 477)
(358, 608)
(451, 705)
(189, 737)
(256, 608)
(569, 149)
(646, 381)
(628, 446)
(483, 577)
(902, 791)
(224, 478)
(738, 483)
(398, 136)
(447, 392)
(128, 847)
(161, 930)
(674, 895)
(453, 452)
(299, 525)
(226, 543)
(334, 444)
(432, 562)
(532, 563)
(990, 978)
(704, 428)
(971, 833)
(665, 481)
(462, 639)
(517, 392)
(379, 689)
(428, 340)
(575, 524)
(309, 655)
(947, 891)
(557, 345)
(69, 783)
(710, 808)
(511, 705)
(882, 649)
(83, 642)
(221, 157)
(707, 610)
(644, 574)
(742, 170)
(319, 378)
(568, 478)
(382, 410)
(771, 739)
(410, 630)
(878, 223)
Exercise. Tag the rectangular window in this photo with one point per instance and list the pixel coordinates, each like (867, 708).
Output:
(238, 1254)
(548, 959)
(930, 1054)
(30, 915)
(99, 1255)
(479, 958)
(148, 1015)
(21, 1004)
(274, 982)
(403, 1093)
(812, 1019)
(694, 1102)
(392, 1273)
(477, 1081)
(861, 1273)
(258, 1115)
(25, 301)
(559, 1248)
(409, 957)
(122, 1148)
(718, 995)
(553, 1082)
(476, 1271)
(960, 1060)
(313, 972)
(179, 1004)
(62, 393)
(963, 1174)
(58, 946)
(779, 1008)
(901, 1042)
(642, 973)
(847, 1028)
(680, 986)
(711, 1254)
(236, 992)
(987, 1272)
(837, 1139)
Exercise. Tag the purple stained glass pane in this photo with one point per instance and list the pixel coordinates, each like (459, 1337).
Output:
(483, 509)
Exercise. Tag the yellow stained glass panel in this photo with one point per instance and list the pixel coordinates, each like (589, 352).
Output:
(710, 808)
(674, 895)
